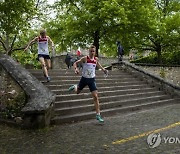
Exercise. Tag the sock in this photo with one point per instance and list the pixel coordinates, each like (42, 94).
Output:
(98, 114)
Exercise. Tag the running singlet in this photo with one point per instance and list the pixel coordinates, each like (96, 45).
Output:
(43, 45)
(89, 68)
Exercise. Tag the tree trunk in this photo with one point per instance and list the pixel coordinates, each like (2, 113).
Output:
(159, 56)
(7, 43)
(96, 42)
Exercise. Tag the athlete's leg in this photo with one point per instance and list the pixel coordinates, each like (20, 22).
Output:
(76, 89)
(48, 63)
(79, 87)
(43, 65)
(97, 106)
(94, 92)
(96, 101)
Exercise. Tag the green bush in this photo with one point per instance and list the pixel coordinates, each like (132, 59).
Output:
(168, 58)
(27, 59)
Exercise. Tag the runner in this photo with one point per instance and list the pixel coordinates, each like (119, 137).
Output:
(43, 52)
(88, 77)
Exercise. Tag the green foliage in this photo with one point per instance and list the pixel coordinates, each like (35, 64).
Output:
(16, 18)
(162, 73)
(140, 24)
(27, 59)
(164, 32)
(14, 15)
(77, 21)
(169, 58)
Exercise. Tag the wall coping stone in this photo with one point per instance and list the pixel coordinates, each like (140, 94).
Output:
(156, 65)
(155, 77)
(39, 98)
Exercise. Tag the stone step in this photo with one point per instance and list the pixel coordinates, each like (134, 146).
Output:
(83, 95)
(53, 78)
(67, 71)
(107, 105)
(99, 84)
(103, 80)
(110, 112)
(71, 72)
(76, 102)
(86, 89)
(111, 73)
(120, 92)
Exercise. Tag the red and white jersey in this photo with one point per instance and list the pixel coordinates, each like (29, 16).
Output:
(89, 68)
(43, 45)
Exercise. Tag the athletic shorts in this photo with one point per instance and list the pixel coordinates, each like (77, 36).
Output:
(90, 82)
(43, 56)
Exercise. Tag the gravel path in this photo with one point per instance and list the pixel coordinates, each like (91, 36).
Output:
(89, 137)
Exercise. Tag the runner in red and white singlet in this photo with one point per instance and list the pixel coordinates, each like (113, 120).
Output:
(43, 52)
(88, 77)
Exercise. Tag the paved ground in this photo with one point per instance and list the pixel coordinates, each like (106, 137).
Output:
(93, 138)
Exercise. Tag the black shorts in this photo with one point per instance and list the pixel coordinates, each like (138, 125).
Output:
(90, 82)
(43, 56)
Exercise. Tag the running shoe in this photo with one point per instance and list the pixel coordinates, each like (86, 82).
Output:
(99, 118)
(48, 79)
(72, 88)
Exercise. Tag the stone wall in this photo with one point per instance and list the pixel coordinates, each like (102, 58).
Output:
(38, 109)
(150, 78)
(107, 61)
(12, 98)
(58, 62)
(170, 74)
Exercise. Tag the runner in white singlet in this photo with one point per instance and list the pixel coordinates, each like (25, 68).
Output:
(43, 52)
(88, 70)
(88, 77)
(43, 45)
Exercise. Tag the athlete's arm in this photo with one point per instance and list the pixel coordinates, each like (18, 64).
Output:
(31, 42)
(82, 60)
(52, 43)
(100, 66)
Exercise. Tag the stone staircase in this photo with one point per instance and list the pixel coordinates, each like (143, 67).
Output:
(120, 92)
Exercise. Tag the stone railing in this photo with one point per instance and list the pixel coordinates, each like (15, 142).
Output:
(38, 109)
(152, 79)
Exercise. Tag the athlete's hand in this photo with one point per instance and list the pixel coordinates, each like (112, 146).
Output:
(105, 71)
(76, 71)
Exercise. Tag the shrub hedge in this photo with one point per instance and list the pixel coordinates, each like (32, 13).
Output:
(168, 58)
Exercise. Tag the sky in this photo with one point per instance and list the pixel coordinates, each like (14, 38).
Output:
(36, 23)
(52, 15)
(51, 1)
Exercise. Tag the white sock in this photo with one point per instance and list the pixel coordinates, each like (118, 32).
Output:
(75, 87)
(98, 114)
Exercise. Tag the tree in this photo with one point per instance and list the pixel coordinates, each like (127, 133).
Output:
(100, 21)
(15, 17)
(165, 30)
